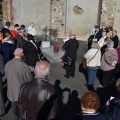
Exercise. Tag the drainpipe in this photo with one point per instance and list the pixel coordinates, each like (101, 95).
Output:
(65, 19)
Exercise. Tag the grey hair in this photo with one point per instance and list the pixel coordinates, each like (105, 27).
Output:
(18, 51)
(110, 43)
(40, 70)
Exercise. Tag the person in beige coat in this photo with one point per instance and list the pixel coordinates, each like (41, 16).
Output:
(93, 57)
(17, 73)
(108, 63)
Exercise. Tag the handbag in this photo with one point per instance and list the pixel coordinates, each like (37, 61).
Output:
(67, 60)
(84, 62)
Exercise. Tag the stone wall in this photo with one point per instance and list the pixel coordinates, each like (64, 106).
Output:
(82, 23)
(117, 18)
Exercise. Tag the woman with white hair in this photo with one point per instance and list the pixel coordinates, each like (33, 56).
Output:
(108, 63)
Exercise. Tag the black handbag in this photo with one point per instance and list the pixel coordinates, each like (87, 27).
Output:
(67, 60)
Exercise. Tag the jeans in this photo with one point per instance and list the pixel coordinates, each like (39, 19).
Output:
(92, 74)
(2, 105)
(14, 106)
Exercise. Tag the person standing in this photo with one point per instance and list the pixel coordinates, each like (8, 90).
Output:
(2, 104)
(108, 63)
(17, 73)
(93, 57)
(19, 38)
(115, 38)
(71, 47)
(5, 29)
(38, 98)
(32, 30)
(15, 30)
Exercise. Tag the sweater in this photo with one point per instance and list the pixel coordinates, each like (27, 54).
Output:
(96, 60)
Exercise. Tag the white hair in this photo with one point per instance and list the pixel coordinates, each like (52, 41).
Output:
(18, 51)
(39, 70)
(110, 43)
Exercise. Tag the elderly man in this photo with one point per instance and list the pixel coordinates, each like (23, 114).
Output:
(115, 38)
(38, 99)
(108, 63)
(19, 38)
(101, 41)
(71, 47)
(17, 73)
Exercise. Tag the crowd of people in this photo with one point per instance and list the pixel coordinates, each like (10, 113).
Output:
(31, 95)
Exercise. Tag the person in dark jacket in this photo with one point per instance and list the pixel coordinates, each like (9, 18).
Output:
(2, 105)
(115, 38)
(38, 98)
(5, 29)
(7, 48)
(71, 47)
(30, 52)
(112, 108)
(98, 33)
(90, 104)
(19, 38)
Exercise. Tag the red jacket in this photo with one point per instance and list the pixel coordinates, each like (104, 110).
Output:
(14, 32)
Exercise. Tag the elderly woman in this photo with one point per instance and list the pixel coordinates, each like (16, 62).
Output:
(93, 57)
(108, 63)
(90, 103)
(112, 108)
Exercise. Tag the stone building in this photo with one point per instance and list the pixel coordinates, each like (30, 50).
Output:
(62, 16)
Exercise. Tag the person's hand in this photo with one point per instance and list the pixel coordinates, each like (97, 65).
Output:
(108, 103)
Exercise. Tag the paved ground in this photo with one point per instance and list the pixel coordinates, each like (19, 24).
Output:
(75, 86)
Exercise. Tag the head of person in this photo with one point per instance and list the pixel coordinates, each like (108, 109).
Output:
(95, 45)
(97, 27)
(19, 53)
(114, 33)
(21, 31)
(110, 29)
(118, 85)
(26, 36)
(72, 35)
(7, 24)
(90, 102)
(106, 40)
(103, 34)
(16, 26)
(32, 25)
(42, 69)
(110, 44)
(7, 35)
(22, 26)
(30, 37)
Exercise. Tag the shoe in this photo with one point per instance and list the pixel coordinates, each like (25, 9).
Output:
(72, 76)
(66, 76)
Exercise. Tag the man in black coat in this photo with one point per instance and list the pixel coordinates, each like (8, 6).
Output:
(5, 29)
(71, 47)
(19, 39)
(115, 39)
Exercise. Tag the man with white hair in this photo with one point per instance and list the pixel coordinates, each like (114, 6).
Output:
(17, 73)
(37, 98)
(19, 38)
(32, 30)
(101, 41)
(108, 63)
